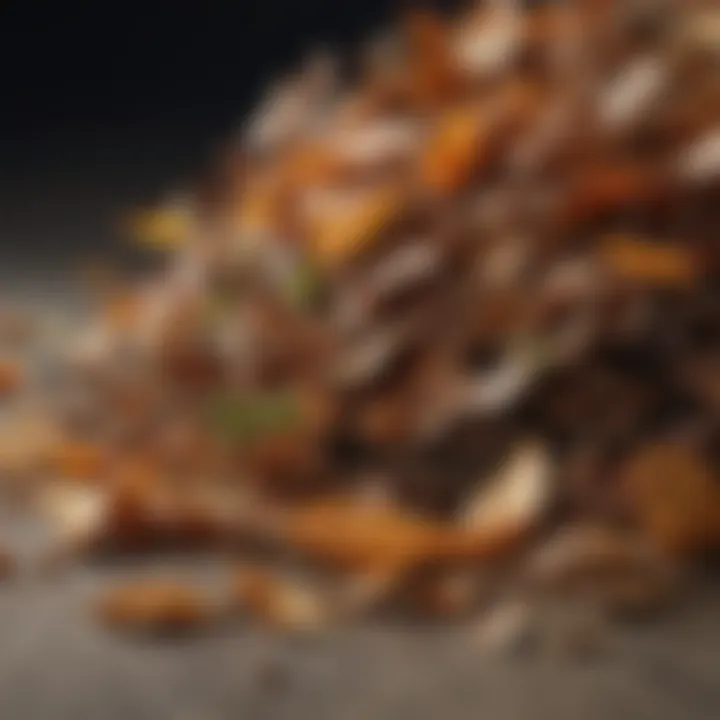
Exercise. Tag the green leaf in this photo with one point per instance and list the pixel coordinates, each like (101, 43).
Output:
(246, 418)
(305, 287)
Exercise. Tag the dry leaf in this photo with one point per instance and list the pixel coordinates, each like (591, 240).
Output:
(123, 312)
(26, 445)
(11, 378)
(433, 73)
(312, 165)
(340, 233)
(516, 497)
(79, 461)
(286, 464)
(488, 42)
(457, 151)
(603, 189)
(278, 602)
(363, 537)
(156, 607)
(613, 569)
(445, 594)
(649, 263)
(163, 229)
(676, 498)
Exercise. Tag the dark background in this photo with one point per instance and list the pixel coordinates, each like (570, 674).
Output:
(106, 104)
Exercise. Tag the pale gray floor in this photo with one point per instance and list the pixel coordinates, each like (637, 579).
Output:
(56, 664)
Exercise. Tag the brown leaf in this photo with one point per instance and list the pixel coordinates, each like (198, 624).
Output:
(123, 312)
(676, 498)
(433, 72)
(79, 461)
(11, 378)
(598, 558)
(447, 594)
(156, 607)
(605, 188)
(648, 263)
(287, 464)
(365, 537)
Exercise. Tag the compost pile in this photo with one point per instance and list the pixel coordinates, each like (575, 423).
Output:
(443, 322)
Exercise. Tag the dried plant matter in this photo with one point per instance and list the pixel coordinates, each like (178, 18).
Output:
(485, 273)
(156, 607)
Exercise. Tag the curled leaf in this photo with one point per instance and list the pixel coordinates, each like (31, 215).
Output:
(649, 263)
(515, 498)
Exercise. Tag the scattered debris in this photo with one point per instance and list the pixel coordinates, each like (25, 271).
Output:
(487, 274)
(506, 628)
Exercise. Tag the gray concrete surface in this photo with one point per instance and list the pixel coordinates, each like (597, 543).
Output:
(56, 663)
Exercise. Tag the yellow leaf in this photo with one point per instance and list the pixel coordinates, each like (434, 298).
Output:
(161, 229)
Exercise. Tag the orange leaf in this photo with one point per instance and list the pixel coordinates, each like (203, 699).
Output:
(343, 232)
(363, 537)
(676, 498)
(311, 165)
(79, 461)
(155, 606)
(456, 151)
(649, 263)
(258, 211)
